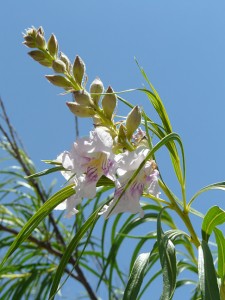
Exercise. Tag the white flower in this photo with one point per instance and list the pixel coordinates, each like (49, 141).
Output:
(89, 159)
(146, 180)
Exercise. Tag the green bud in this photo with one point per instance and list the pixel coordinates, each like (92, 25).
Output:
(31, 32)
(96, 87)
(29, 41)
(30, 37)
(133, 121)
(78, 69)
(58, 66)
(97, 121)
(80, 110)
(66, 61)
(122, 134)
(53, 45)
(109, 103)
(59, 81)
(40, 41)
(83, 98)
(40, 57)
(41, 31)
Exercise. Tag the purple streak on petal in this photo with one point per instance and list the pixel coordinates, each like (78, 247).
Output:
(92, 174)
(136, 188)
(107, 165)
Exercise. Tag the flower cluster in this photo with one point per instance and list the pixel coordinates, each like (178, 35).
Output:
(113, 149)
(93, 157)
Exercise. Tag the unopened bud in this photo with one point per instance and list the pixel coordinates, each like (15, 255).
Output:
(66, 61)
(133, 121)
(59, 81)
(58, 66)
(78, 69)
(83, 98)
(41, 30)
(96, 88)
(109, 103)
(80, 110)
(53, 45)
(122, 134)
(97, 121)
(40, 57)
(40, 41)
(29, 41)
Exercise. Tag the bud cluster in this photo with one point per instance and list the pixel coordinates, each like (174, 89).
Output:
(47, 54)
(96, 103)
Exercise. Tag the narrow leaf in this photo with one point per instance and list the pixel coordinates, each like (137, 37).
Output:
(167, 256)
(136, 277)
(220, 240)
(214, 186)
(35, 220)
(222, 289)
(215, 216)
(87, 226)
(45, 172)
(207, 274)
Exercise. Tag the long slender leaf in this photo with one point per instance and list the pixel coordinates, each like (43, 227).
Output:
(136, 277)
(88, 225)
(46, 172)
(35, 220)
(220, 240)
(215, 216)
(214, 186)
(207, 274)
(222, 289)
(167, 256)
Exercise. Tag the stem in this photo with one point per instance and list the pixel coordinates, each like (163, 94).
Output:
(40, 192)
(182, 213)
(106, 122)
(185, 218)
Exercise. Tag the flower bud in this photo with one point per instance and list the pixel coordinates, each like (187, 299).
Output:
(53, 45)
(66, 61)
(40, 57)
(78, 69)
(58, 66)
(59, 81)
(109, 103)
(80, 110)
(97, 121)
(41, 30)
(29, 41)
(40, 41)
(133, 121)
(83, 98)
(96, 87)
(122, 134)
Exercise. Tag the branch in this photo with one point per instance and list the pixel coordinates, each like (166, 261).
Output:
(16, 153)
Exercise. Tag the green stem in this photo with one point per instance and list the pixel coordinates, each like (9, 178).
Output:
(185, 218)
(182, 213)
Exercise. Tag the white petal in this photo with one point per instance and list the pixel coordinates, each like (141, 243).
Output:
(125, 204)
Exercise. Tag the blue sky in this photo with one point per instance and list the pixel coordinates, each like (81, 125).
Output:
(180, 44)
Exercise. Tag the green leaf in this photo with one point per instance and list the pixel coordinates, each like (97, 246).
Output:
(207, 274)
(167, 256)
(87, 226)
(45, 172)
(156, 102)
(215, 216)
(220, 240)
(35, 220)
(214, 186)
(222, 289)
(52, 162)
(136, 277)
